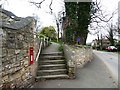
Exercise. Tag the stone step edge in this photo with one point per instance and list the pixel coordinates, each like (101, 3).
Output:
(46, 61)
(52, 65)
(53, 76)
(55, 70)
(60, 56)
(51, 53)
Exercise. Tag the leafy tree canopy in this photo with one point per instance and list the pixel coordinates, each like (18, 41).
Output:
(49, 32)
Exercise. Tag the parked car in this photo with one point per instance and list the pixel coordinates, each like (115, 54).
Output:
(111, 48)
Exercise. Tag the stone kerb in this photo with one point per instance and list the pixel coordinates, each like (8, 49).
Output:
(76, 57)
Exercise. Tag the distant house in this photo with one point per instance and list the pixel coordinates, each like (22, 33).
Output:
(97, 43)
(94, 43)
(105, 42)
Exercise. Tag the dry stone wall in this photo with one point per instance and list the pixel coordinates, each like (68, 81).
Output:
(0, 59)
(76, 57)
(16, 72)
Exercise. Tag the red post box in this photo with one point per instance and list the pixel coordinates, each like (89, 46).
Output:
(31, 55)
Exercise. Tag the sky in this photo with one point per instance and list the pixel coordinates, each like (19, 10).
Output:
(22, 8)
(108, 6)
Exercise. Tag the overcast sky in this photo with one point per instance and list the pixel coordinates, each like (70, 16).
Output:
(108, 7)
(22, 8)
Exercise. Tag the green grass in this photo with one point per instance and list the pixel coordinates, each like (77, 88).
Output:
(110, 51)
(103, 50)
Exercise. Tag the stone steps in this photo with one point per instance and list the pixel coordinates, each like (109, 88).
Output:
(50, 57)
(52, 72)
(52, 66)
(52, 53)
(52, 62)
(53, 76)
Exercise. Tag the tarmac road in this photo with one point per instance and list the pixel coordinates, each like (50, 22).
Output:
(110, 59)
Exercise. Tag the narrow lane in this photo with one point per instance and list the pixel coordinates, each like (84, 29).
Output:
(110, 59)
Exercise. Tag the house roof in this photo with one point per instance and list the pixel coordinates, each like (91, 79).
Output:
(8, 13)
(19, 22)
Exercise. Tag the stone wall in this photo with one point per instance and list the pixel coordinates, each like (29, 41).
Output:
(76, 57)
(5, 18)
(0, 58)
(15, 57)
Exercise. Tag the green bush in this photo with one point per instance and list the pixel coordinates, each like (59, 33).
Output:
(61, 48)
(49, 42)
(53, 40)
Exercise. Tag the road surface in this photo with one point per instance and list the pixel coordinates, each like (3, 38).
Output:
(110, 59)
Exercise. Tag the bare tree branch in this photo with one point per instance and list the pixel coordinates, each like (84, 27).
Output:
(50, 7)
(38, 4)
(66, 22)
(98, 13)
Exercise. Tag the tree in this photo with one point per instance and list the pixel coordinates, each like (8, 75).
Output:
(110, 36)
(49, 32)
(59, 20)
(84, 18)
(78, 15)
(57, 17)
(112, 31)
(72, 22)
(99, 17)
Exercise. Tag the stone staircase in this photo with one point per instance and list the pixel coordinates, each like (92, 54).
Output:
(52, 66)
